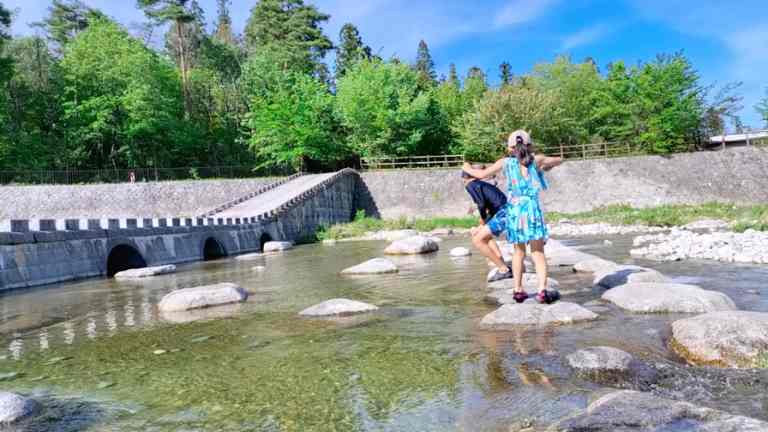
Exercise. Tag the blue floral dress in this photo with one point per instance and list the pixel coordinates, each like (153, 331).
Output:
(523, 218)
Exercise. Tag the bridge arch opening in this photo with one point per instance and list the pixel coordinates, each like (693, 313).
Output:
(264, 239)
(213, 250)
(124, 257)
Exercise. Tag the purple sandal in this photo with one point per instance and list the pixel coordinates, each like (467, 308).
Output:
(547, 296)
(520, 296)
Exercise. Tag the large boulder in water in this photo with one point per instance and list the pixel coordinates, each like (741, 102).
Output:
(14, 407)
(338, 307)
(277, 246)
(145, 272)
(528, 314)
(599, 359)
(668, 297)
(202, 297)
(724, 339)
(412, 246)
(628, 410)
(374, 266)
(627, 274)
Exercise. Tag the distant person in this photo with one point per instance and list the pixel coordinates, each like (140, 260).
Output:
(489, 200)
(131, 177)
(523, 217)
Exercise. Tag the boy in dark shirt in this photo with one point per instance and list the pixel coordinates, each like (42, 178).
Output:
(489, 200)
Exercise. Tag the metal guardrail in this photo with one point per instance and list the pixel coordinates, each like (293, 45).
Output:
(127, 175)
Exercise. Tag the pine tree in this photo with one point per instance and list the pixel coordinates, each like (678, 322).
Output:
(290, 30)
(178, 13)
(224, 31)
(453, 77)
(350, 49)
(505, 73)
(475, 72)
(67, 18)
(425, 66)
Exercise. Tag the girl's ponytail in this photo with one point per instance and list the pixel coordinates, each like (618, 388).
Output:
(522, 148)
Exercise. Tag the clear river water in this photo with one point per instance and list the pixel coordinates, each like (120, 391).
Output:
(100, 357)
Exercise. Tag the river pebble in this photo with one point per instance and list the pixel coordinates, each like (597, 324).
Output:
(747, 247)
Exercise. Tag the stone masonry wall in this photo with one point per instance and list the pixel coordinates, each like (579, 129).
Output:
(738, 175)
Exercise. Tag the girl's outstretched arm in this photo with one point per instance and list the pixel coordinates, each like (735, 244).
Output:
(483, 173)
(546, 163)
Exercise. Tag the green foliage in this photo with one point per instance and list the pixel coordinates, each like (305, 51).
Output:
(291, 116)
(482, 132)
(120, 103)
(425, 66)
(363, 224)
(385, 113)
(762, 108)
(741, 217)
(351, 49)
(6, 64)
(66, 19)
(289, 30)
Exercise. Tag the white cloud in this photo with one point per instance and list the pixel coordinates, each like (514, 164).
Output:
(585, 36)
(521, 11)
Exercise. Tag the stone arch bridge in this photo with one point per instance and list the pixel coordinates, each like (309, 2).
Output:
(37, 252)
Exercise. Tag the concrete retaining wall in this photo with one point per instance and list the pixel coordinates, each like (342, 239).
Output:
(738, 175)
(156, 199)
(29, 258)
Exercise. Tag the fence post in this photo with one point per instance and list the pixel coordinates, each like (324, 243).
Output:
(583, 151)
(629, 148)
(606, 150)
(562, 151)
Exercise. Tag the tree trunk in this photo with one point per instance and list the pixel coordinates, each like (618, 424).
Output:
(183, 67)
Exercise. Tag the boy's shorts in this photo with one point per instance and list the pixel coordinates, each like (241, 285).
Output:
(498, 223)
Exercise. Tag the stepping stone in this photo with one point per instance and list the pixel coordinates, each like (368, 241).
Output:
(374, 266)
(530, 282)
(338, 307)
(627, 274)
(202, 297)
(629, 410)
(14, 407)
(528, 314)
(460, 252)
(734, 339)
(412, 246)
(667, 297)
(277, 246)
(600, 358)
(145, 272)
(595, 265)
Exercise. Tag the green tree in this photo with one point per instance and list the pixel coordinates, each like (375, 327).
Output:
(505, 73)
(224, 32)
(32, 109)
(425, 66)
(385, 112)
(193, 37)
(291, 31)
(121, 103)
(350, 50)
(6, 66)
(453, 77)
(475, 86)
(291, 116)
(482, 131)
(762, 108)
(178, 14)
(615, 112)
(66, 19)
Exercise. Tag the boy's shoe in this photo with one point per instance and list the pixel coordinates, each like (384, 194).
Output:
(500, 276)
(520, 296)
(547, 296)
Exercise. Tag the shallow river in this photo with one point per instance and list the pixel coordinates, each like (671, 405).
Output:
(101, 358)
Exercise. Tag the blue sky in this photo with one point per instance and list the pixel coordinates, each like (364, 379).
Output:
(726, 41)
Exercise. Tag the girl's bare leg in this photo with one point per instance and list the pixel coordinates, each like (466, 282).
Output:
(495, 248)
(480, 240)
(517, 266)
(540, 261)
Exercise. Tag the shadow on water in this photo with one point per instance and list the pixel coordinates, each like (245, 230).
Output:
(420, 363)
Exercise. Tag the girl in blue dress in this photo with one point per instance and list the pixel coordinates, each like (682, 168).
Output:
(523, 218)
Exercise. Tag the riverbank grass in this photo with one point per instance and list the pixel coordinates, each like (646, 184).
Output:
(363, 224)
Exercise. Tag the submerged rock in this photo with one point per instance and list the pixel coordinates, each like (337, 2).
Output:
(338, 307)
(536, 314)
(668, 297)
(627, 274)
(277, 246)
(374, 266)
(629, 410)
(15, 407)
(725, 339)
(460, 252)
(202, 297)
(145, 272)
(412, 246)
(250, 257)
(600, 358)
